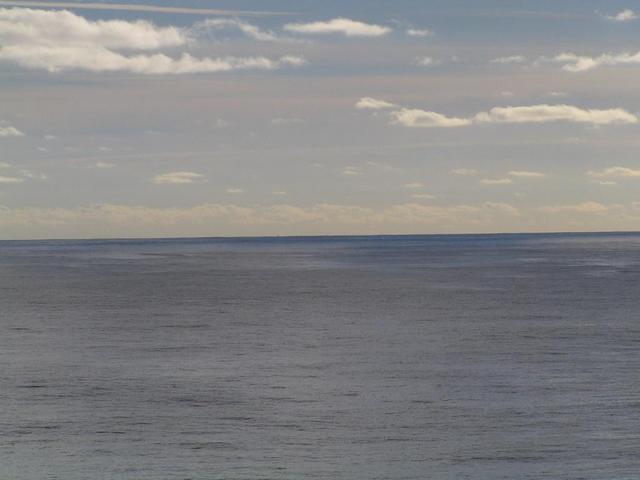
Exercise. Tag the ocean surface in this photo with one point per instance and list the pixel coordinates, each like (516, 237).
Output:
(410, 357)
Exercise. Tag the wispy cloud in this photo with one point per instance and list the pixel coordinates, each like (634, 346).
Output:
(351, 171)
(137, 8)
(234, 190)
(248, 29)
(368, 103)
(343, 26)
(464, 171)
(526, 174)
(516, 115)
(176, 178)
(496, 181)
(582, 63)
(419, 32)
(625, 15)
(60, 40)
(615, 172)
(426, 61)
(509, 59)
(413, 185)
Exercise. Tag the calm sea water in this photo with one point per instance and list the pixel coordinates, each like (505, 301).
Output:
(440, 357)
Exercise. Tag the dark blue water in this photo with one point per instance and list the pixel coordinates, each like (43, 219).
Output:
(444, 357)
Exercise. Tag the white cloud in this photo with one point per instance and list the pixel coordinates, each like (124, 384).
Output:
(526, 174)
(234, 190)
(373, 104)
(525, 114)
(4, 179)
(60, 40)
(351, 171)
(553, 113)
(608, 183)
(623, 16)
(176, 178)
(615, 172)
(464, 171)
(23, 26)
(509, 59)
(581, 63)
(410, 117)
(419, 32)
(426, 61)
(496, 181)
(10, 131)
(104, 165)
(344, 26)
(413, 185)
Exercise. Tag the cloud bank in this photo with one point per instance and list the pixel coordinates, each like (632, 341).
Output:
(58, 41)
(417, 118)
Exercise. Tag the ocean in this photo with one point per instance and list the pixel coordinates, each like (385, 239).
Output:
(411, 357)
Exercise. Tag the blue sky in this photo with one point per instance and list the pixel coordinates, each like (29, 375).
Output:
(307, 117)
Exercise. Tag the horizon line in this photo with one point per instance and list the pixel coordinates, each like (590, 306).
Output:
(326, 236)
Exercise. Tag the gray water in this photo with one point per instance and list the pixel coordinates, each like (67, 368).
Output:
(443, 357)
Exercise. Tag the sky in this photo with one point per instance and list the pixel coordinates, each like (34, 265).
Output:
(301, 117)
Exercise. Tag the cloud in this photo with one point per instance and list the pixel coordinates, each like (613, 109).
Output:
(496, 181)
(136, 8)
(373, 104)
(351, 171)
(58, 41)
(344, 26)
(104, 165)
(4, 179)
(20, 26)
(615, 172)
(577, 63)
(524, 114)
(426, 61)
(554, 113)
(464, 171)
(526, 174)
(246, 28)
(585, 207)
(623, 16)
(176, 178)
(413, 185)
(419, 32)
(10, 131)
(509, 59)
(234, 190)
(409, 117)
